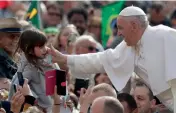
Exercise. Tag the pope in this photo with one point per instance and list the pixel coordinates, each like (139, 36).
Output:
(148, 51)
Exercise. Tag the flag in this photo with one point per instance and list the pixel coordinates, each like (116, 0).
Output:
(33, 14)
(109, 16)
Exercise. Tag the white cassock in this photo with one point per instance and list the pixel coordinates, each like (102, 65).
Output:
(155, 62)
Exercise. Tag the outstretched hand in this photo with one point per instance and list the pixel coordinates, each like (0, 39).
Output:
(57, 57)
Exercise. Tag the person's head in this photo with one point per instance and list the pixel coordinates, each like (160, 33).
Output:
(131, 24)
(143, 97)
(103, 90)
(127, 101)
(85, 44)
(5, 83)
(101, 78)
(106, 104)
(156, 12)
(32, 43)
(10, 30)
(61, 42)
(94, 27)
(173, 19)
(79, 18)
(51, 33)
(55, 14)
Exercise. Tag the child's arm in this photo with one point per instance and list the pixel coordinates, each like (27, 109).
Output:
(29, 73)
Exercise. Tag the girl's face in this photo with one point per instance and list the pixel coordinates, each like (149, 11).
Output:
(40, 52)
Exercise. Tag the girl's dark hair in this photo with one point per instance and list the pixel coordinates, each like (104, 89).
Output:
(29, 39)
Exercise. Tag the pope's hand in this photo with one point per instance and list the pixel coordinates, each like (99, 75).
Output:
(58, 57)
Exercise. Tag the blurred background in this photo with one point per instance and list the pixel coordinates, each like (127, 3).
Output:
(98, 17)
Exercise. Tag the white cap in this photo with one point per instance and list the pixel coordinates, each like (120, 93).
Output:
(132, 11)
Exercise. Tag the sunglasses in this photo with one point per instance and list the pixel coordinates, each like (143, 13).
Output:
(90, 48)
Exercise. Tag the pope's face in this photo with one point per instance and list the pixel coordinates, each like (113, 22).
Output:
(125, 30)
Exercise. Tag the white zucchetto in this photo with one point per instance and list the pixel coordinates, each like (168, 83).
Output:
(132, 11)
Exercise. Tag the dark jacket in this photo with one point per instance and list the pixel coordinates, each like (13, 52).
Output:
(7, 66)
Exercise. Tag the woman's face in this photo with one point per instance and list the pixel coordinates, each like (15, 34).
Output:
(64, 36)
(8, 42)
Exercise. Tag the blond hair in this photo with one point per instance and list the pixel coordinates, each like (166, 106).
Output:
(106, 88)
(33, 109)
(57, 39)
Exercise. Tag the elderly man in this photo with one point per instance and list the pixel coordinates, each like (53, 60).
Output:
(106, 104)
(85, 44)
(148, 51)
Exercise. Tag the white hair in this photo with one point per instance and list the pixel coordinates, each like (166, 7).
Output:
(142, 19)
(85, 38)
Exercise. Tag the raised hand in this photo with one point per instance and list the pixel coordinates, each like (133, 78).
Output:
(85, 99)
(16, 102)
(25, 90)
(85, 95)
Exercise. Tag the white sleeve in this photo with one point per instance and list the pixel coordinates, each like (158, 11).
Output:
(86, 63)
(118, 63)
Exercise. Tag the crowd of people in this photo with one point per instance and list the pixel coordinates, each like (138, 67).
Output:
(117, 82)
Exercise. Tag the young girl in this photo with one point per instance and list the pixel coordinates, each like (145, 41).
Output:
(33, 45)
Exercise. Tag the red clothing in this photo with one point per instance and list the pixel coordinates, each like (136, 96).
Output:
(4, 4)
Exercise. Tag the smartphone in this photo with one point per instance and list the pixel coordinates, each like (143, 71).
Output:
(80, 83)
(50, 79)
(14, 87)
(20, 78)
(61, 82)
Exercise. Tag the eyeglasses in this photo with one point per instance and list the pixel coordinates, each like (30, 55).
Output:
(90, 48)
